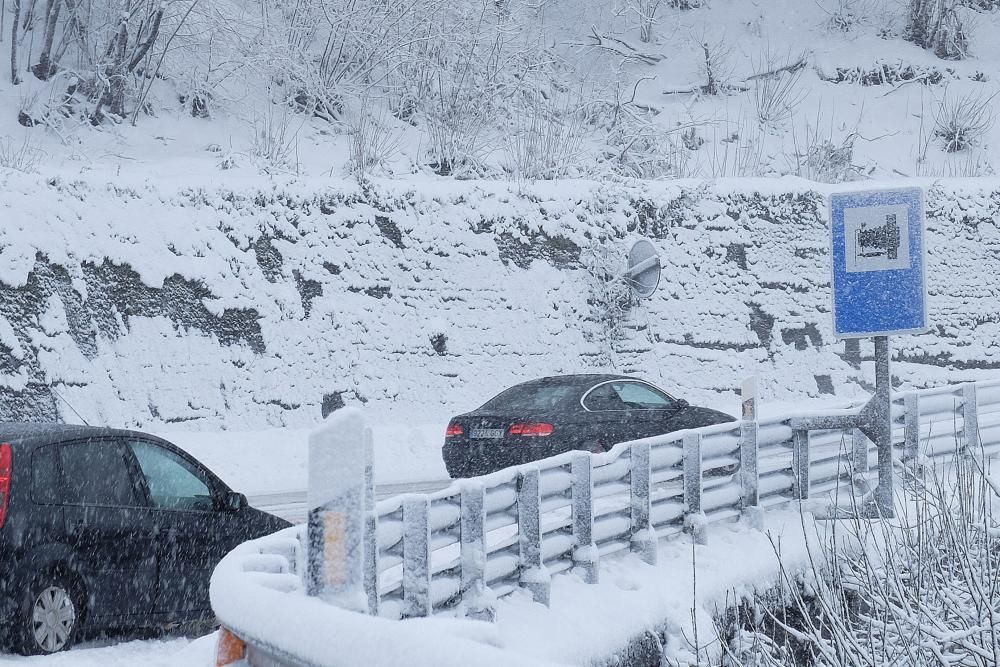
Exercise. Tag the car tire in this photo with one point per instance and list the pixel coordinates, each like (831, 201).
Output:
(51, 615)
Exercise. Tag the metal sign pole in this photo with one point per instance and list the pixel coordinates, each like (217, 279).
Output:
(880, 419)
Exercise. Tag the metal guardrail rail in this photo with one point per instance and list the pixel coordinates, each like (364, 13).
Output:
(482, 538)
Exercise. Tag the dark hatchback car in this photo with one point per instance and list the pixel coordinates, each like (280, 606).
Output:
(107, 529)
(552, 415)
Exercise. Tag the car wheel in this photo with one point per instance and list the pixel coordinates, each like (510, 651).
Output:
(51, 616)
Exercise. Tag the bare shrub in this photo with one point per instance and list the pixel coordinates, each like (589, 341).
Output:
(936, 25)
(970, 165)
(373, 142)
(843, 15)
(964, 120)
(716, 64)
(917, 590)
(776, 88)
(610, 298)
(274, 138)
(646, 11)
(824, 156)
(545, 140)
(736, 149)
(20, 156)
(640, 148)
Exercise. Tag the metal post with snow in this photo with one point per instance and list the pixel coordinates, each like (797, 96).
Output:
(340, 456)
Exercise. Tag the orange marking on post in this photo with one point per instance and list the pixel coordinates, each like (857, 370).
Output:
(230, 648)
(335, 548)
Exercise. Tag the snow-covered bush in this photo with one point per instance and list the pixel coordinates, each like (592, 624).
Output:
(962, 121)
(777, 92)
(21, 156)
(544, 140)
(937, 25)
(373, 141)
(917, 590)
(610, 298)
(823, 156)
(275, 132)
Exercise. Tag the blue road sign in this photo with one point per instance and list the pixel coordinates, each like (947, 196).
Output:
(878, 263)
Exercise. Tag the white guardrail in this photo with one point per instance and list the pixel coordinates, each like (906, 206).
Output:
(481, 538)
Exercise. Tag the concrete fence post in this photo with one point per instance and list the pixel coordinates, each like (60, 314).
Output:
(534, 576)
(416, 556)
(970, 417)
(335, 544)
(585, 556)
(800, 463)
(911, 428)
(643, 541)
(473, 552)
(694, 519)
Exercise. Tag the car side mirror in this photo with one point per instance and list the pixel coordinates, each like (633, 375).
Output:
(681, 404)
(234, 502)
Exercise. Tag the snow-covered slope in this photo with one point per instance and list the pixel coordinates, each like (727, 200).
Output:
(251, 303)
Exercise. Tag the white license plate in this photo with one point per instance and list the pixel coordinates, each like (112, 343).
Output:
(479, 433)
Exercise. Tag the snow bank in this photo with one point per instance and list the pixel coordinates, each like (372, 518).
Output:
(271, 610)
(255, 303)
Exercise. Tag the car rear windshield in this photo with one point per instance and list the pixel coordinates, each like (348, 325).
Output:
(535, 398)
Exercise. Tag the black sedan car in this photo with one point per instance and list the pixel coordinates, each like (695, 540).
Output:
(552, 415)
(108, 529)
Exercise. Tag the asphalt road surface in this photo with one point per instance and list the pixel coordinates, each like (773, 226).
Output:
(291, 505)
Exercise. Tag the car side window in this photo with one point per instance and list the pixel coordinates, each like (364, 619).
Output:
(603, 397)
(45, 475)
(174, 482)
(640, 396)
(626, 396)
(95, 472)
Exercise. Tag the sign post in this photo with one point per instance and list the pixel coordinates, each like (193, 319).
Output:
(877, 248)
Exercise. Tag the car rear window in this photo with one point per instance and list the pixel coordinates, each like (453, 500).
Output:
(531, 398)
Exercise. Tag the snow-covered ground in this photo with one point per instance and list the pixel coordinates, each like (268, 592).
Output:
(276, 460)
(172, 652)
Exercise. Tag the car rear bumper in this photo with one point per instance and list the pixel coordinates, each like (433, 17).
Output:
(469, 458)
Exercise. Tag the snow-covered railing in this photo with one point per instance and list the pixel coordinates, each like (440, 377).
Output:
(258, 594)
(486, 536)
(463, 546)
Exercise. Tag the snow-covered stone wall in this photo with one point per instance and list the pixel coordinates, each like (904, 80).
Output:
(251, 303)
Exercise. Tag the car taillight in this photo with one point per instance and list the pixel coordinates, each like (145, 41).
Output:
(6, 472)
(454, 430)
(531, 429)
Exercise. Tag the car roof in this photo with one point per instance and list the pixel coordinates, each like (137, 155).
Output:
(23, 434)
(580, 379)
